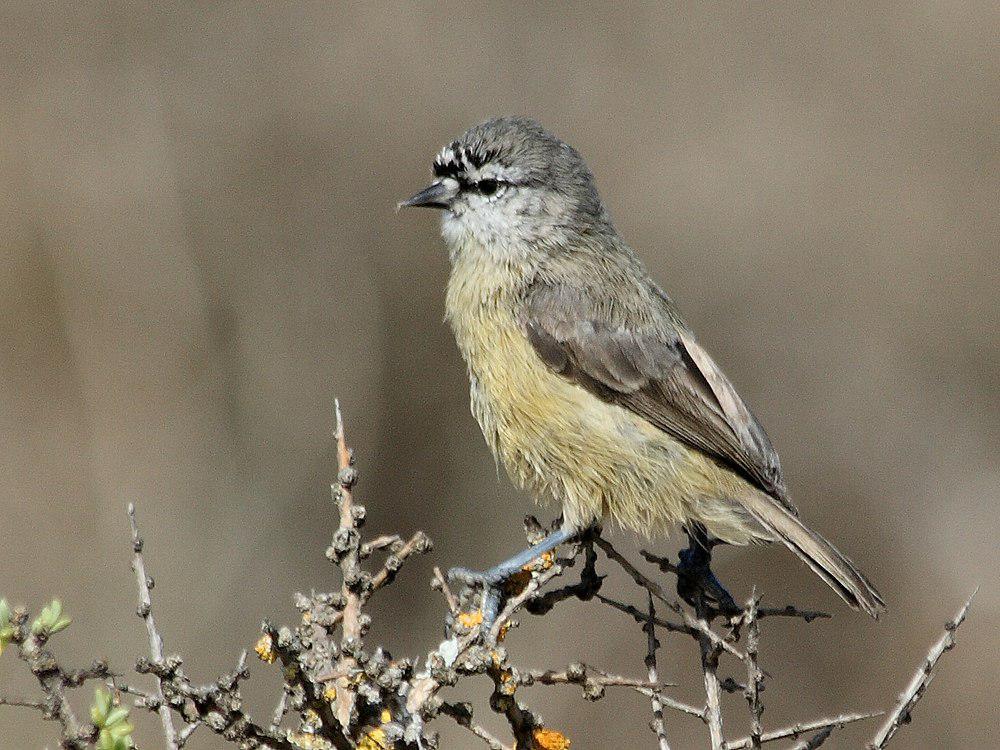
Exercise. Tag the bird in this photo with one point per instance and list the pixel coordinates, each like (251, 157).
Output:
(588, 386)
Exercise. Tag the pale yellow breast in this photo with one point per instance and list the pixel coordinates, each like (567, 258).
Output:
(553, 437)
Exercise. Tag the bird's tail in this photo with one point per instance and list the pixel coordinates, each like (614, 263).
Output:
(825, 559)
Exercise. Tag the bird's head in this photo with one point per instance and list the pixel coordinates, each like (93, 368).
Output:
(507, 184)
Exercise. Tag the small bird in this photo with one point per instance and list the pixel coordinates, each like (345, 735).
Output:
(588, 386)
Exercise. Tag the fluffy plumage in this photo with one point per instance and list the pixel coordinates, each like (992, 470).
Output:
(587, 384)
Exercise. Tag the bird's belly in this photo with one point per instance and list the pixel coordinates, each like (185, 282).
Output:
(595, 459)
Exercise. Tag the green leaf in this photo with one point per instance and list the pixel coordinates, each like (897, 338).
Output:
(107, 740)
(101, 708)
(60, 625)
(120, 730)
(117, 715)
(4, 613)
(49, 619)
(112, 721)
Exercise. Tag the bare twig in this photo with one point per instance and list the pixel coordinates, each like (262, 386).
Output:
(462, 714)
(418, 543)
(662, 563)
(803, 614)
(592, 680)
(185, 734)
(145, 611)
(915, 690)
(641, 617)
(657, 725)
(816, 740)
(24, 703)
(280, 710)
(53, 680)
(799, 729)
(698, 625)
(441, 583)
(379, 543)
(755, 677)
(345, 552)
(713, 694)
(515, 603)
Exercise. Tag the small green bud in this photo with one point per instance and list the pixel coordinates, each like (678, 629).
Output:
(120, 730)
(117, 716)
(112, 721)
(61, 624)
(50, 620)
(101, 708)
(6, 629)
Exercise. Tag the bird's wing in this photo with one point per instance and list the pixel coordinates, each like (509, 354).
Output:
(648, 363)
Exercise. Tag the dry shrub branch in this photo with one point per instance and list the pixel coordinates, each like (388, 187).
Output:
(340, 691)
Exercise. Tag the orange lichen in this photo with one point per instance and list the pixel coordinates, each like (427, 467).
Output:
(502, 633)
(265, 649)
(550, 739)
(544, 561)
(470, 619)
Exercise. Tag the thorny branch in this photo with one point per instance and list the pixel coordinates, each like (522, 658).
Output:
(915, 690)
(799, 729)
(339, 692)
(710, 653)
(755, 677)
(657, 725)
(145, 611)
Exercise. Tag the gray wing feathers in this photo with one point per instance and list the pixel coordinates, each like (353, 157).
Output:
(647, 363)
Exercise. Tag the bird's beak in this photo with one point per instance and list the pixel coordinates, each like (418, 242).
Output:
(437, 195)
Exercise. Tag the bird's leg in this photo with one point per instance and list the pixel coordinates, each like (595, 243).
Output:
(695, 580)
(492, 580)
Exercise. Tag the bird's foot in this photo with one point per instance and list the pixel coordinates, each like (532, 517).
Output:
(489, 586)
(508, 577)
(698, 586)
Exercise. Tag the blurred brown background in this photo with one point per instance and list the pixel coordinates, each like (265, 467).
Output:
(200, 251)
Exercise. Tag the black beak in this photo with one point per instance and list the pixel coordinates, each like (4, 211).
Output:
(436, 195)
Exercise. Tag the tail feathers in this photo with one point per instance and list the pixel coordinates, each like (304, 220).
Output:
(824, 559)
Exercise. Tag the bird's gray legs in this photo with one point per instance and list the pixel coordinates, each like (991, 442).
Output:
(696, 583)
(492, 579)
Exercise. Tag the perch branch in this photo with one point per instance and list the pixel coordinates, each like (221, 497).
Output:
(700, 626)
(339, 693)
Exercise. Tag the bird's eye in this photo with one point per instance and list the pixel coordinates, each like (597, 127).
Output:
(487, 186)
